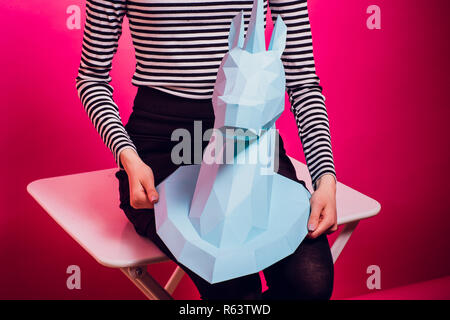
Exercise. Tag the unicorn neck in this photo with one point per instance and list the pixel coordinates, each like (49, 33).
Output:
(225, 189)
(239, 147)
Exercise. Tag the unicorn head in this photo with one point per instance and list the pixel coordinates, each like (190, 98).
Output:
(250, 86)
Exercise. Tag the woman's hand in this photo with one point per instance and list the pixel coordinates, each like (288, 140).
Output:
(323, 216)
(141, 180)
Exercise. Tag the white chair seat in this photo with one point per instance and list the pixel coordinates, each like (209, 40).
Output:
(86, 206)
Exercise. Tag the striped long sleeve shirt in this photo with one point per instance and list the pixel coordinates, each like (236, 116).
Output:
(179, 45)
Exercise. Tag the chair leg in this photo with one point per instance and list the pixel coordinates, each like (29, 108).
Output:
(342, 239)
(153, 290)
(174, 280)
(149, 286)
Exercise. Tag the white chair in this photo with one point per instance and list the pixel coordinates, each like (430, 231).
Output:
(86, 206)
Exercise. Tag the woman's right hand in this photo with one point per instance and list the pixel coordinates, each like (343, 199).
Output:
(141, 180)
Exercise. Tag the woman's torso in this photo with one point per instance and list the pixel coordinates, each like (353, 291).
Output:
(179, 44)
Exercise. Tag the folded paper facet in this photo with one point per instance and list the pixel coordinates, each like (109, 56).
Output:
(221, 219)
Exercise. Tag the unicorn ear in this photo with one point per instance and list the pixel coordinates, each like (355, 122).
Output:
(236, 36)
(278, 39)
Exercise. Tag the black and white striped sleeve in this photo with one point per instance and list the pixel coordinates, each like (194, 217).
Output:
(304, 90)
(102, 31)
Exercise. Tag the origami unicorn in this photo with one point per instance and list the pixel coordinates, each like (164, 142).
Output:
(225, 220)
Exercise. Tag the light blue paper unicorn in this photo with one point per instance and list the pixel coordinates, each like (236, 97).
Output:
(224, 220)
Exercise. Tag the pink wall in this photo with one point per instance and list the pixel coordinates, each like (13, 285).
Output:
(386, 98)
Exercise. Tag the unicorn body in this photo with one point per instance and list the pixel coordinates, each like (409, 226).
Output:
(224, 220)
(230, 202)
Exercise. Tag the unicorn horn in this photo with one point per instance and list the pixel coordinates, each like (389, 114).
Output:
(255, 40)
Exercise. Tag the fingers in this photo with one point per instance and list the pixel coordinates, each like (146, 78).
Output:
(326, 222)
(333, 228)
(138, 196)
(324, 225)
(149, 186)
(143, 193)
(314, 217)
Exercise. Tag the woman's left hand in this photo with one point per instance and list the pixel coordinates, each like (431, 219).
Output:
(323, 217)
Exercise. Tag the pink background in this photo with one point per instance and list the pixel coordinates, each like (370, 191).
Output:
(386, 94)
